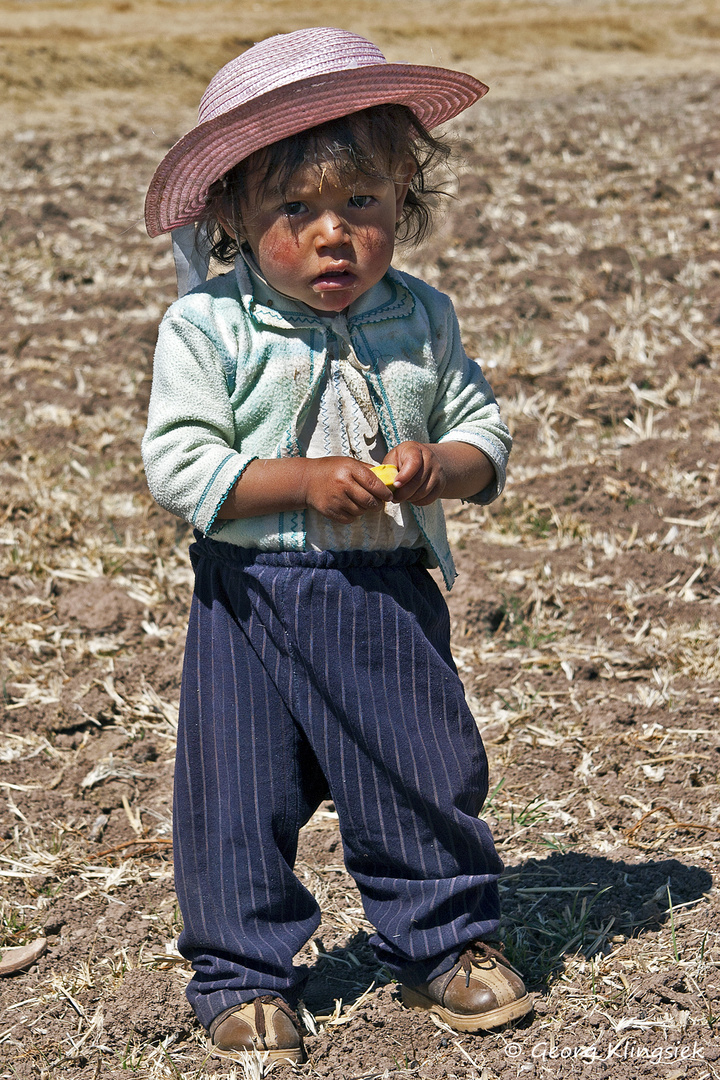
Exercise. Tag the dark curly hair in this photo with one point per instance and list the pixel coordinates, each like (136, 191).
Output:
(378, 142)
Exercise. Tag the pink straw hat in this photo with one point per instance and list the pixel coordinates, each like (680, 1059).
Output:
(283, 85)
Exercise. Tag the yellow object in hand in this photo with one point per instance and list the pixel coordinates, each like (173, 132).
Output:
(386, 473)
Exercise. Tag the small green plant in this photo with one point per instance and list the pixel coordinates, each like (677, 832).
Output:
(490, 805)
(540, 524)
(132, 1056)
(14, 929)
(118, 539)
(552, 841)
(542, 938)
(171, 1063)
(527, 816)
(530, 814)
(530, 637)
(513, 615)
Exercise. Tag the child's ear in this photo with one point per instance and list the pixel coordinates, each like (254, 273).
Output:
(402, 186)
(401, 191)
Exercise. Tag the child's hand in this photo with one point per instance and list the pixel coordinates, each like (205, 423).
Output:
(343, 489)
(421, 476)
(430, 471)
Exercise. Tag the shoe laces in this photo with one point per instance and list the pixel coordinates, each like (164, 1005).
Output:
(278, 1003)
(478, 951)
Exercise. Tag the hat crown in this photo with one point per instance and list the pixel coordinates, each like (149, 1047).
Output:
(284, 59)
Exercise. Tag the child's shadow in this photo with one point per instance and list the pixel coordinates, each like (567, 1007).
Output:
(572, 903)
(567, 904)
(343, 973)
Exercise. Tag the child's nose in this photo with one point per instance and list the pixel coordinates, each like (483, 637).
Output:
(332, 230)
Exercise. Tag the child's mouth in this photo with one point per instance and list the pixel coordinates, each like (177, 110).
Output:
(333, 279)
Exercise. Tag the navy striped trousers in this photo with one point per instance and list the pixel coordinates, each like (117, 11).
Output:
(308, 674)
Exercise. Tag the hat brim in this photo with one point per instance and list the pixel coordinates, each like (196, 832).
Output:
(177, 192)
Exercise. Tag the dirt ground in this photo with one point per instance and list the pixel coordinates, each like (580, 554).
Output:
(582, 250)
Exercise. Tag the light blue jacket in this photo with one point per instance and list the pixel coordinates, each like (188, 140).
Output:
(234, 378)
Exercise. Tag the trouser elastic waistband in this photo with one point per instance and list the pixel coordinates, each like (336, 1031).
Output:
(204, 547)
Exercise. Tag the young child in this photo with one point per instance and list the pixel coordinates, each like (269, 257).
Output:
(318, 661)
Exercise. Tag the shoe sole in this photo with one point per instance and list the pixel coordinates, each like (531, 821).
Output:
(462, 1022)
(295, 1056)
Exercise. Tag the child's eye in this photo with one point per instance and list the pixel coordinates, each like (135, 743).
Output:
(360, 201)
(292, 209)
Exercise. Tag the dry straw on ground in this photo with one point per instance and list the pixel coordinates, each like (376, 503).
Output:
(582, 252)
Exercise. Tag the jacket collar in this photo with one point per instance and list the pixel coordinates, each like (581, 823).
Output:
(389, 299)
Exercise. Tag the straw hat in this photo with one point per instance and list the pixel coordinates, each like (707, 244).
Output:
(283, 85)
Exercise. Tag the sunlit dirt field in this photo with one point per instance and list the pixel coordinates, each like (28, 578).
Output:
(582, 250)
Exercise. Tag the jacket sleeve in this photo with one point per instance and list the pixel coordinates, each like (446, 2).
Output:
(465, 409)
(189, 445)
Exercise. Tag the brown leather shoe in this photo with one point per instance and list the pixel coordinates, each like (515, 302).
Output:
(266, 1024)
(481, 991)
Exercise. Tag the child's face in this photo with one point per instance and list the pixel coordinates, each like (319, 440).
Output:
(326, 240)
